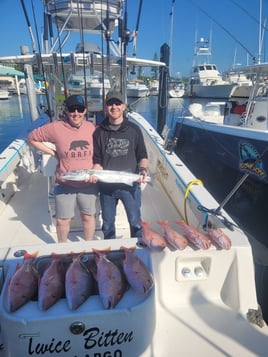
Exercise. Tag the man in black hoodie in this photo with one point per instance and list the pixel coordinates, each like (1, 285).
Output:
(119, 146)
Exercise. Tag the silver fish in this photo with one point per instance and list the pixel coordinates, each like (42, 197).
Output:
(137, 273)
(78, 283)
(107, 176)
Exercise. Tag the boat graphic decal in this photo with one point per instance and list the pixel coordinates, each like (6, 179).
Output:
(250, 160)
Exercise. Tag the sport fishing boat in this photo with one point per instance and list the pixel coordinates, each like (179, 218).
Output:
(196, 293)
(205, 81)
(136, 89)
(233, 133)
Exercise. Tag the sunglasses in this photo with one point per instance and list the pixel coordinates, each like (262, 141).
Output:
(73, 108)
(114, 102)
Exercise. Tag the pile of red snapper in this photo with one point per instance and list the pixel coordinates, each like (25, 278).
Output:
(76, 281)
(176, 240)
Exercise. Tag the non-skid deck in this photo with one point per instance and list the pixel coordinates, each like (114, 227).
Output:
(25, 221)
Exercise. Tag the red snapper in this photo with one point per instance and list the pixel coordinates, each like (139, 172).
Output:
(175, 239)
(24, 284)
(52, 283)
(151, 238)
(197, 238)
(137, 273)
(78, 283)
(111, 282)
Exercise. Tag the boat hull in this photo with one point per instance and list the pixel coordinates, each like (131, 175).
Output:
(221, 91)
(233, 147)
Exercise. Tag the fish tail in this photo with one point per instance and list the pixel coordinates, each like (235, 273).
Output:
(126, 249)
(163, 223)
(144, 224)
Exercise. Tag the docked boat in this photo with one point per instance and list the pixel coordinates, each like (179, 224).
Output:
(234, 133)
(198, 293)
(244, 84)
(205, 81)
(154, 87)
(4, 94)
(94, 83)
(176, 90)
(136, 89)
(96, 87)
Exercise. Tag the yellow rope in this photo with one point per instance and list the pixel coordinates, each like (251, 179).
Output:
(194, 182)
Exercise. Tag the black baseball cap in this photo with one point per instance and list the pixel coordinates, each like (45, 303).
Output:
(74, 100)
(114, 95)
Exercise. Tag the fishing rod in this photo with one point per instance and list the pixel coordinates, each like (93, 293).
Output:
(135, 35)
(29, 25)
(82, 39)
(39, 57)
(60, 50)
(124, 35)
(171, 32)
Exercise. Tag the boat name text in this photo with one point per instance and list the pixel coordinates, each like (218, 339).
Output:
(93, 338)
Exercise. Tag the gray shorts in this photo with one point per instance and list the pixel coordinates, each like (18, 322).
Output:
(66, 199)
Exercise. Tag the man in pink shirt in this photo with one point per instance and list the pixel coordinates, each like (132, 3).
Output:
(73, 140)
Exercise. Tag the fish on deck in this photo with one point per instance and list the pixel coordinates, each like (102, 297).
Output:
(106, 176)
(52, 283)
(111, 282)
(197, 238)
(78, 283)
(218, 237)
(151, 238)
(174, 239)
(137, 273)
(23, 285)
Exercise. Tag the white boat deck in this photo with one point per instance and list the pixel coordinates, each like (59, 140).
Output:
(184, 315)
(25, 221)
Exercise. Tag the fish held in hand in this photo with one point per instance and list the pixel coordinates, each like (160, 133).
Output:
(220, 238)
(174, 239)
(151, 238)
(52, 283)
(107, 176)
(23, 285)
(78, 283)
(111, 282)
(197, 238)
(137, 273)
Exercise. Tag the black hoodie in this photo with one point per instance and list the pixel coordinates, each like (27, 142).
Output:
(119, 149)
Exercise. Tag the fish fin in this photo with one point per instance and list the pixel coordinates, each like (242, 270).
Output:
(101, 251)
(144, 223)
(163, 223)
(30, 256)
(126, 249)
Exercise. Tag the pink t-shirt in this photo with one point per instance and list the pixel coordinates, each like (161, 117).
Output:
(74, 146)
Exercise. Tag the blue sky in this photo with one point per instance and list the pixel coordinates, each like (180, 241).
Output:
(233, 25)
